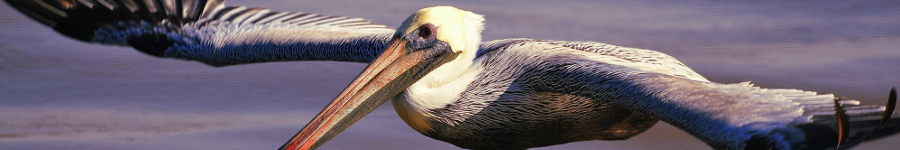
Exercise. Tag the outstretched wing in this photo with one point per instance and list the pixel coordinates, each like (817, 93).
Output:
(208, 31)
(726, 116)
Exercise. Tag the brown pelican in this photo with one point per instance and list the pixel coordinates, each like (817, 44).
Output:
(447, 84)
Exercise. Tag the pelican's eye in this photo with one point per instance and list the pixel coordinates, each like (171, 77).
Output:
(426, 31)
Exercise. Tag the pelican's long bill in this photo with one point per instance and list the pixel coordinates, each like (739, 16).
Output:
(396, 69)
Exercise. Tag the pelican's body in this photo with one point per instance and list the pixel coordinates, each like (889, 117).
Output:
(488, 106)
(447, 84)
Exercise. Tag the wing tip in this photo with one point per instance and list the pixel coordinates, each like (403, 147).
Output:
(844, 138)
(82, 18)
(843, 123)
(890, 106)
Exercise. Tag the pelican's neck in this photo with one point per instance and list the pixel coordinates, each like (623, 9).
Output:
(436, 90)
(444, 84)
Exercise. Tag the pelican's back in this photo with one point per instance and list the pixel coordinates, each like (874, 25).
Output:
(515, 100)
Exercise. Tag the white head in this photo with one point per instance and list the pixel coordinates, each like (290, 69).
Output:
(449, 26)
(461, 31)
(460, 28)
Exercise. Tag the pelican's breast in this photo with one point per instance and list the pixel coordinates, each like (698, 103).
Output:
(417, 120)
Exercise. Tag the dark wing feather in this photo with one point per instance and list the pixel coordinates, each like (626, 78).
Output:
(210, 32)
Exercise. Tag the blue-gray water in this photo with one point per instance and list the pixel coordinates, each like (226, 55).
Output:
(58, 93)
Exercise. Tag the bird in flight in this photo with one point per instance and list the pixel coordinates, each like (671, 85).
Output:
(447, 84)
